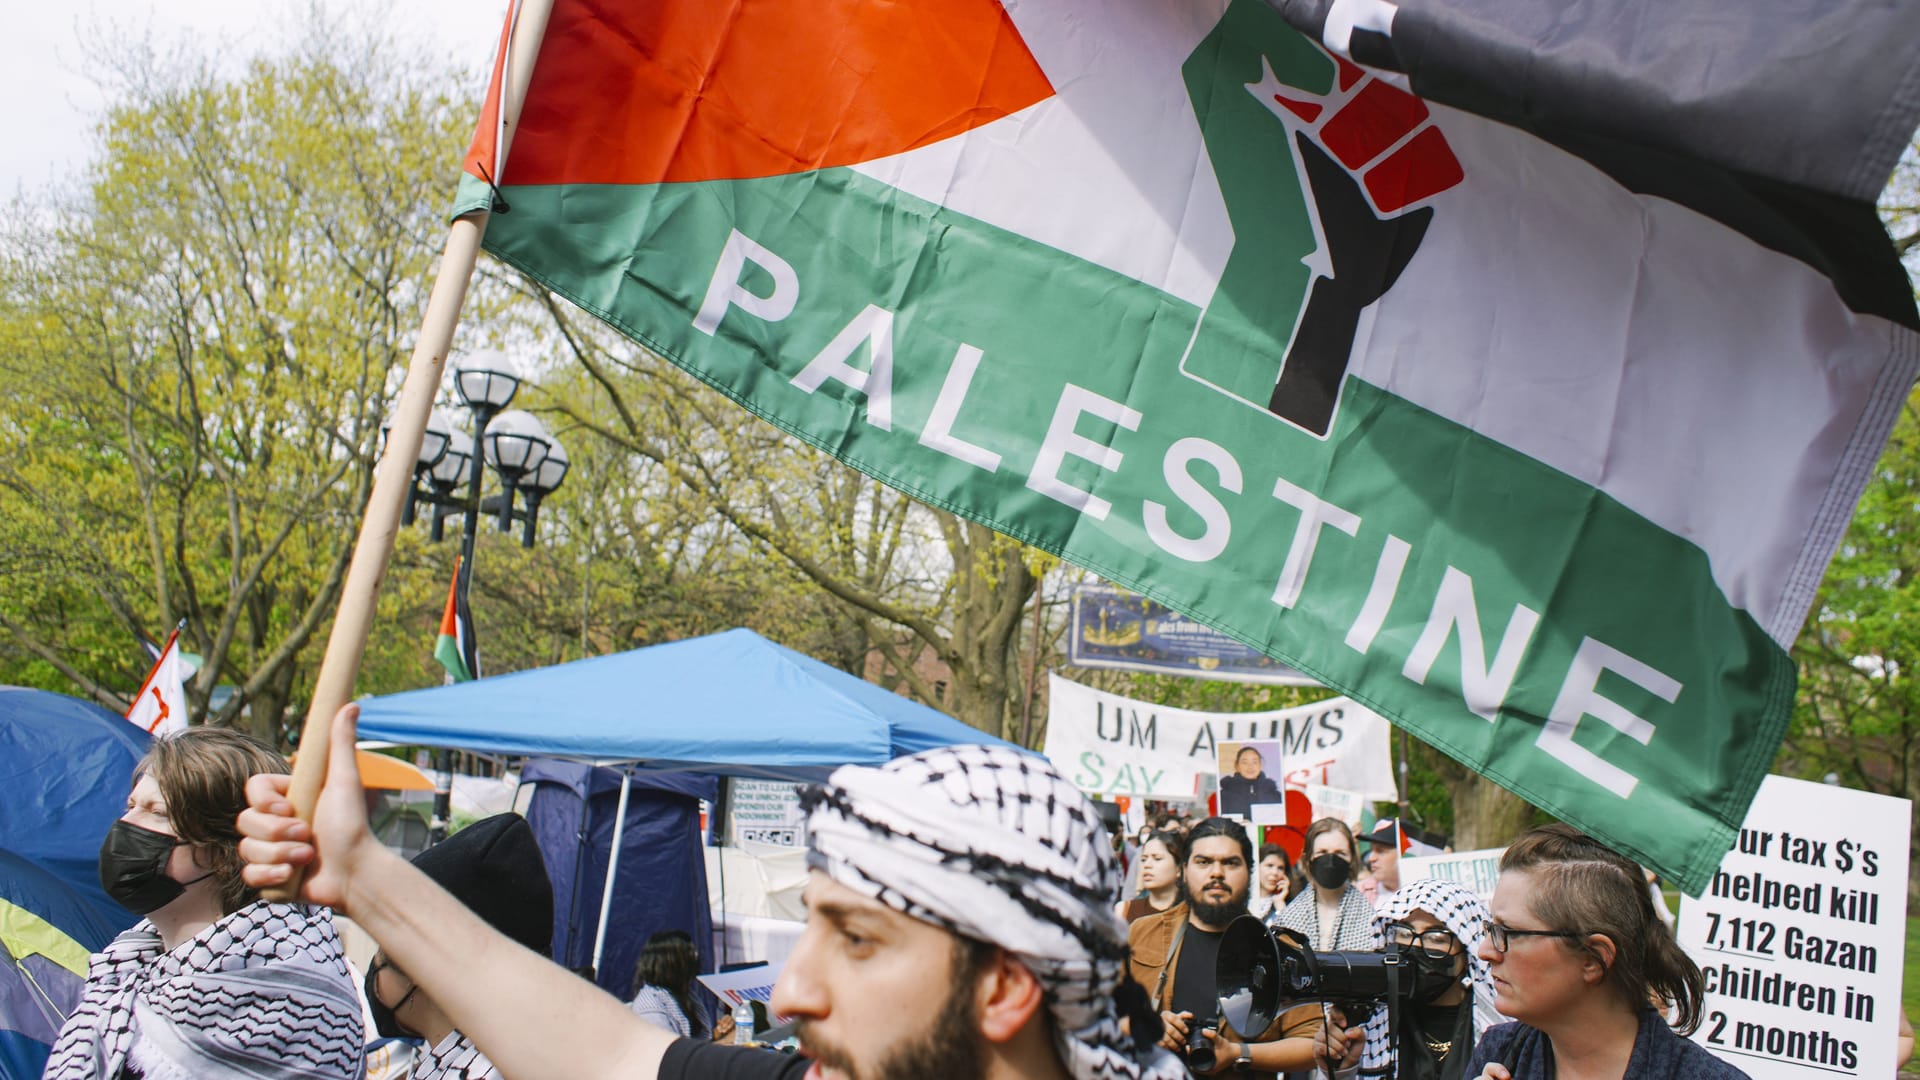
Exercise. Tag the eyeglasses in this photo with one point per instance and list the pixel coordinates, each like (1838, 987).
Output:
(1498, 935)
(1437, 943)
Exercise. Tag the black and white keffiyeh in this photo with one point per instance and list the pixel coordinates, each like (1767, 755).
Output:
(997, 846)
(1354, 929)
(264, 993)
(1460, 911)
(454, 1058)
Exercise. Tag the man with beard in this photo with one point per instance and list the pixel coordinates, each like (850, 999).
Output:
(1175, 953)
(960, 924)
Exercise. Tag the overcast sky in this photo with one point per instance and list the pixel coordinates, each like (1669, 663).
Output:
(51, 102)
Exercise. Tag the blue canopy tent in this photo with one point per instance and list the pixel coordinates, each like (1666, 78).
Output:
(731, 704)
(66, 766)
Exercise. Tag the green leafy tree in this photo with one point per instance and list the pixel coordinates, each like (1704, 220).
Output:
(199, 344)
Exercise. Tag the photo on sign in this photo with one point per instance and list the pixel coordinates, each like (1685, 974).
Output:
(1244, 781)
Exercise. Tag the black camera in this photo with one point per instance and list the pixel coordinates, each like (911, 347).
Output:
(1200, 1055)
(1262, 972)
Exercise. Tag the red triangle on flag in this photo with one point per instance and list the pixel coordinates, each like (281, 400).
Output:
(628, 93)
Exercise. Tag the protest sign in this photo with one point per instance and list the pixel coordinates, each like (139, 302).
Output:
(1333, 802)
(765, 812)
(1113, 745)
(1802, 934)
(1113, 628)
(1476, 871)
(753, 984)
(1245, 778)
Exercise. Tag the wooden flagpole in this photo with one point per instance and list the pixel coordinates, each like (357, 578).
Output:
(393, 476)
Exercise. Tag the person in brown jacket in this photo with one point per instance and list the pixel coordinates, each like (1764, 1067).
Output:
(1175, 953)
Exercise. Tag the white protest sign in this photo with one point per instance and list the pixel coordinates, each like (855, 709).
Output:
(1476, 871)
(1113, 745)
(1337, 803)
(1802, 934)
(1274, 813)
(765, 812)
(746, 984)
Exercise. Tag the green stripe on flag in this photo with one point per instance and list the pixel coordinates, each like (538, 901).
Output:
(446, 649)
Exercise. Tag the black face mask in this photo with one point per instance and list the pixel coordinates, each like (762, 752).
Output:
(133, 868)
(1329, 871)
(384, 1020)
(1436, 974)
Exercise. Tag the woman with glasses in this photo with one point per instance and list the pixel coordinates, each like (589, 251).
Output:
(1334, 915)
(1437, 927)
(1576, 954)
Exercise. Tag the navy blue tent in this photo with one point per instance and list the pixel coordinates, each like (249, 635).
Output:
(732, 703)
(662, 883)
(66, 766)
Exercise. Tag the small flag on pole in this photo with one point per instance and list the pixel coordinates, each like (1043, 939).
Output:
(160, 708)
(454, 647)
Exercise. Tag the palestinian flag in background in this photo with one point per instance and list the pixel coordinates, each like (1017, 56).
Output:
(454, 646)
(1535, 437)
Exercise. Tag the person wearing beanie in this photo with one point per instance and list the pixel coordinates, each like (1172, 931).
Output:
(494, 868)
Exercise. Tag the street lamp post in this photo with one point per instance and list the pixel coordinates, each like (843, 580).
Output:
(530, 465)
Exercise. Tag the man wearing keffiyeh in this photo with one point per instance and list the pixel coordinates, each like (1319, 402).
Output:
(960, 923)
(996, 848)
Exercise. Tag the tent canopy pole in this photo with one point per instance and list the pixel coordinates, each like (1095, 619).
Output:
(613, 867)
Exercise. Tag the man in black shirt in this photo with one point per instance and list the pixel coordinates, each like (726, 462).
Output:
(960, 924)
(1176, 952)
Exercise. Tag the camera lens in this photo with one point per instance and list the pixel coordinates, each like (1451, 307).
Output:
(1200, 1054)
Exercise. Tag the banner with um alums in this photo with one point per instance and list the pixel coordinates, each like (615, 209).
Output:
(1111, 745)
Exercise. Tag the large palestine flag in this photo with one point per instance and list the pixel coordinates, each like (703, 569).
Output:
(1533, 433)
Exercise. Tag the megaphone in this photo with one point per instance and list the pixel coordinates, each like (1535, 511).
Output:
(1253, 976)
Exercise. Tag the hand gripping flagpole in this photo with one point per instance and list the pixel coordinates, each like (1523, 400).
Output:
(333, 687)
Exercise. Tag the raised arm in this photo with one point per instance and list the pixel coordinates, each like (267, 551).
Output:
(532, 1018)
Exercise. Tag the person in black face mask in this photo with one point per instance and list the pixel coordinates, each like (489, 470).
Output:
(202, 986)
(1334, 914)
(494, 867)
(1437, 927)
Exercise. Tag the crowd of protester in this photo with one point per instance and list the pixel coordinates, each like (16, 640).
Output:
(966, 917)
